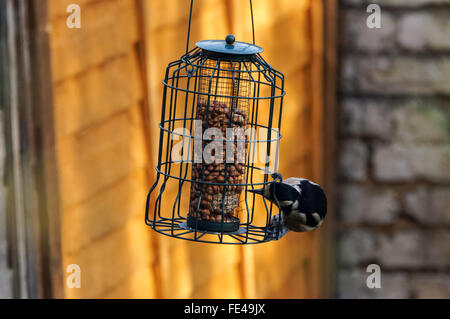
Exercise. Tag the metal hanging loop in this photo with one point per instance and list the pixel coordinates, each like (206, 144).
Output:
(189, 27)
(190, 22)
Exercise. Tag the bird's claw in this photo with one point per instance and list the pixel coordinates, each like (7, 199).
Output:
(277, 175)
(276, 226)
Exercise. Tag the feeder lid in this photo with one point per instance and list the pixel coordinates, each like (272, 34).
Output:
(229, 46)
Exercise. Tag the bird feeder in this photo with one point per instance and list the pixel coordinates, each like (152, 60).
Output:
(221, 109)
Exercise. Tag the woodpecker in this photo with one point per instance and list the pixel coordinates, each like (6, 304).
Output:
(303, 204)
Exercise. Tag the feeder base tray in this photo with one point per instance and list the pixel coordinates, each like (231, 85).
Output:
(210, 226)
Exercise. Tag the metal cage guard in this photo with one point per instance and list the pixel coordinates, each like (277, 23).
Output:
(221, 86)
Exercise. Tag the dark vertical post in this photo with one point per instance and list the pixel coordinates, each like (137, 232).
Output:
(32, 178)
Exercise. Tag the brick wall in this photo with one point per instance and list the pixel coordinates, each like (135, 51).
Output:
(394, 153)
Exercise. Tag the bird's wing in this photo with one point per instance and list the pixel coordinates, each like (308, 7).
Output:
(294, 182)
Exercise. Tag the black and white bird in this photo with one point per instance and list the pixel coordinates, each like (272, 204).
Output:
(303, 204)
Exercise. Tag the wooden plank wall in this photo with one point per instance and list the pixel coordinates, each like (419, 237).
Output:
(290, 33)
(187, 269)
(98, 99)
(105, 170)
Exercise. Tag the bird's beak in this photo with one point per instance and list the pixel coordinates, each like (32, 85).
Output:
(257, 191)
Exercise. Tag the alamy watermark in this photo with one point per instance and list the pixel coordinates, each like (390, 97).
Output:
(233, 145)
(374, 19)
(74, 19)
(74, 278)
(374, 279)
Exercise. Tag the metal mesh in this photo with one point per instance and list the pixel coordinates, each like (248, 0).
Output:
(221, 113)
